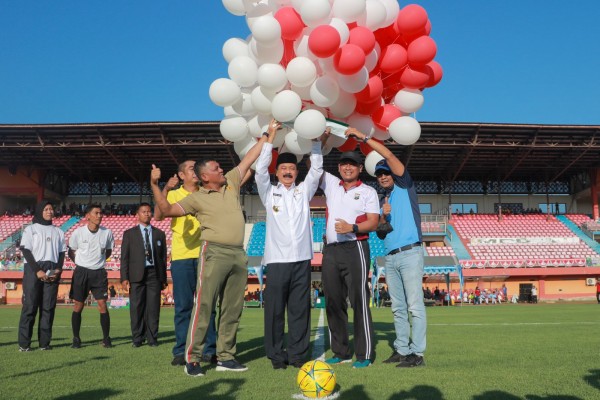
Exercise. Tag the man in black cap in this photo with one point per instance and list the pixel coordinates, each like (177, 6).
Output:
(352, 212)
(288, 251)
(404, 262)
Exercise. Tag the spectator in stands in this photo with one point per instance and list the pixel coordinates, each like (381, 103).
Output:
(404, 262)
(144, 275)
(477, 298)
(185, 249)
(353, 212)
(288, 251)
(43, 246)
(89, 247)
(223, 260)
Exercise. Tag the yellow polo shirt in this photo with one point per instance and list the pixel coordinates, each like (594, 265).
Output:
(185, 243)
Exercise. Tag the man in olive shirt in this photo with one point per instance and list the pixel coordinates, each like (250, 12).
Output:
(222, 263)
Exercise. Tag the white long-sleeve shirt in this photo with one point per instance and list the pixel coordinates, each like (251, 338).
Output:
(289, 232)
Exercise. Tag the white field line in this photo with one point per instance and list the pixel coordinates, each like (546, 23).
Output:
(319, 345)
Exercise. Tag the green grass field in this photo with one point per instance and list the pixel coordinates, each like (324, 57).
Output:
(544, 351)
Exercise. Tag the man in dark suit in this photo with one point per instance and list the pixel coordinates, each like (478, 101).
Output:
(144, 275)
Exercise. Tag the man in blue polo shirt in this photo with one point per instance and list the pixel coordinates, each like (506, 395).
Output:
(404, 260)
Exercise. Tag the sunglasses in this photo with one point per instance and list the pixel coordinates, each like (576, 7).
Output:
(382, 172)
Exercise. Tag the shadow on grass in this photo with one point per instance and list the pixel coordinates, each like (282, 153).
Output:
(355, 392)
(593, 379)
(551, 397)
(419, 392)
(69, 364)
(497, 394)
(251, 350)
(91, 394)
(211, 390)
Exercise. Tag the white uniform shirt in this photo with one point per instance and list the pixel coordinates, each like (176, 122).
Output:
(289, 230)
(351, 206)
(44, 241)
(91, 246)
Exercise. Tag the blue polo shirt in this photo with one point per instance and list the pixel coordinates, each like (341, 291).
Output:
(405, 217)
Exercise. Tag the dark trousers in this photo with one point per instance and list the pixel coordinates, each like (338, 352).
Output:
(37, 295)
(288, 286)
(185, 276)
(144, 307)
(345, 275)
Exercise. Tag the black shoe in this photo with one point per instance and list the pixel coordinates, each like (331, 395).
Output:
(107, 343)
(278, 365)
(178, 361)
(153, 344)
(136, 344)
(395, 358)
(297, 364)
(209, 358)
(46, 347)
(231, 365)
(193, 369)
(76, 343)
(412, 360)
(24, 349)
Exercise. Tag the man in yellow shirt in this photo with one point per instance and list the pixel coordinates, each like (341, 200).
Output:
(185, 249)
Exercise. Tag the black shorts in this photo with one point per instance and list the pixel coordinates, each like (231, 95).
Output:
(86, 280)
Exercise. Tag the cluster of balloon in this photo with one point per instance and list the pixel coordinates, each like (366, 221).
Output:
(364, 62)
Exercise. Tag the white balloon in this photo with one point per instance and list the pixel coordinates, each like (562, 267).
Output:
(326, 67)
(243, 71)
(324, 91)
(342, 28)
(322, 110)
(301, 46)
(296, 144)
(372, 59)
(233, 128)
(363, 123)
(262, 100)
(374, 16)
(381, 135)
(256, 124)
(266, 29)
(224, 92)
(272, 77)
(235, 7)
(244, 105)
(228, 111)
(392, 8)
(242, 146)
(315, 12)
(344, 106)
(405, 130)
(263, 54)
(235, 47)
(348, 10)
(259, 10)
(303, 91)
(301, 71)
(354, 83)
(409, 100)
(286, 106)
(310, 124)
(371, 161)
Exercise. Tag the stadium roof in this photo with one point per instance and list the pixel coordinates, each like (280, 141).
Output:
(446, 152)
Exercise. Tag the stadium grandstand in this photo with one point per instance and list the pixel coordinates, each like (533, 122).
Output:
(502, 204)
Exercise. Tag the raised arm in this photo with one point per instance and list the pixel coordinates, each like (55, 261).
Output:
(167, 210)
(395, 164)
(170, 185)
(254, 152)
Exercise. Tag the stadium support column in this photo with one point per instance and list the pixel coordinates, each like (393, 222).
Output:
(595, 185)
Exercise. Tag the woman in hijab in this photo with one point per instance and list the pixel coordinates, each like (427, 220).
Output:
(43, 247)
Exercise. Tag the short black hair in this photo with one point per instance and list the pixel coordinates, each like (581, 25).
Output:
(90, 207)
(181, 166)
(201, 164)
(144, 204)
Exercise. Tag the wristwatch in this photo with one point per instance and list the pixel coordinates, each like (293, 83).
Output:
(366, 139)
(354, 228)
(265, 134)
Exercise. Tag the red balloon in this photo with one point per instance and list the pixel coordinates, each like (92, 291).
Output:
(415, 77)
(411, 18)
(363, 38)
(367, 108)
(349, 145)
(324, 41)
(365, 148)
(384, 115)
(291, 23)
(288, 52)
(393, 58)
(385, 36)
(372, 91)
(421, 51)
(435, 73)
(349, 59)
(273, 165)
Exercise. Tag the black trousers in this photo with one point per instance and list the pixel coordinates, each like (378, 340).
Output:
(37, 295)
(288, 285)
(144, 307)
(345, 275)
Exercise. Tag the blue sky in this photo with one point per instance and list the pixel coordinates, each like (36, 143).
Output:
(529, 61)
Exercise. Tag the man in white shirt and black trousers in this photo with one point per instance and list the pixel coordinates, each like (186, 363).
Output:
(288, 251)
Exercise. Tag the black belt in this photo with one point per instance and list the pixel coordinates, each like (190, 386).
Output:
(404, 248)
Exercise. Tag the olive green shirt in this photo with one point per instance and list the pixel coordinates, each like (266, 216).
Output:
(219, 212)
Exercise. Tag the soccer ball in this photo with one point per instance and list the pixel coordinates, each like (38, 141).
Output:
(316, 379)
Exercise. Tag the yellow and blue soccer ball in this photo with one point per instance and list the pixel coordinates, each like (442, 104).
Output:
(316, 379)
